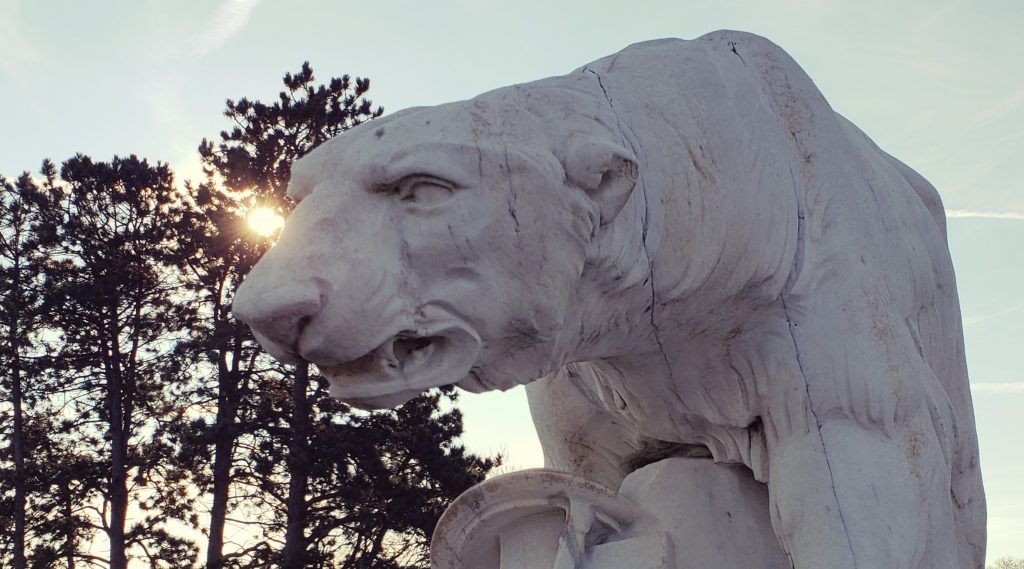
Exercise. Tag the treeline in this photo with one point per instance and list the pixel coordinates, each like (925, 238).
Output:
(141, 424)
(1007, 563)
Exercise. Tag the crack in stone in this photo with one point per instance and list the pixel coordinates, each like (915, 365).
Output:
(511, 192)
(512, 211)
(732, 47)
(646, 222)
(480, 161)
(791, 325)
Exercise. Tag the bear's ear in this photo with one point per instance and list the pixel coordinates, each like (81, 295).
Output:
(605, 170)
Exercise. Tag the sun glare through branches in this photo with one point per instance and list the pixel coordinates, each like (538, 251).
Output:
(264, 221)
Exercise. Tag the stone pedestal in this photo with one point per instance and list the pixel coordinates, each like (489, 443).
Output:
(717, 515)
(679, 513)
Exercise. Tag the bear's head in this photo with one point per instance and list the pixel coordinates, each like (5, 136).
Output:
(441, 245)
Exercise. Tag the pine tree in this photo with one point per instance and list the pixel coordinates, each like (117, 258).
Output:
(26, 384)
(50, 490)
(227, 363)
(19, 310)
(113, 297)
(1008, 563)
(253, 161)
(328, 487)
(62, 486)
(122, 371)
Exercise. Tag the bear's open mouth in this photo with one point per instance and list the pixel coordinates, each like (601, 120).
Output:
(398, 353)
(403, 366)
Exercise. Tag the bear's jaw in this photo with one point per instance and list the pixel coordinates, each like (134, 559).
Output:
(403, 366)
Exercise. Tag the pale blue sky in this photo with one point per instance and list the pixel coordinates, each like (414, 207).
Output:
(936, 83)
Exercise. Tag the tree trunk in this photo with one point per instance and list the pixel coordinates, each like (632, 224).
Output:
(18, 442)
(221, 487)
(223, 452)
(18, 436)
(70, 546)
(118, 489)
(118, 501)
(294, 555)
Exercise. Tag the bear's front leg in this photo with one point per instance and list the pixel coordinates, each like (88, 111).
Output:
(844, 496)
(576, 433)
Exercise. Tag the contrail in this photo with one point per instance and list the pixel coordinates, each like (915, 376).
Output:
(954, 213)
(998, 388)
(229, 20)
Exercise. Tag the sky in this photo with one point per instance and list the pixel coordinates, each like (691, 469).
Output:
(936, 83)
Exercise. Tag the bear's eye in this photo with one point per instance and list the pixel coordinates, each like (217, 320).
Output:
(423, 190)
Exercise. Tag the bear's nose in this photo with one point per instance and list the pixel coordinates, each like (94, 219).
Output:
(277, 316)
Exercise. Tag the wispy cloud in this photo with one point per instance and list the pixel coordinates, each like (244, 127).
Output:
(963, 213)
(1004, 311)
(998, 108)
(16, 51)
(1004, 388)
(19, 57)
(229, 19)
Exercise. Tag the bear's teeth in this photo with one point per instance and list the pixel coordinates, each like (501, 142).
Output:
(421, 354)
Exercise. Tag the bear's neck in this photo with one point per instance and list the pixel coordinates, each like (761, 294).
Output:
(671, 264)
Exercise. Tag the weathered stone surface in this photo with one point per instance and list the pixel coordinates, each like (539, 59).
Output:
(539, 518)
(678, 513)
(697, 254)
(717, 516)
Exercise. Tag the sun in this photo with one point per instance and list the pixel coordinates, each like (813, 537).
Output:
(264, 221)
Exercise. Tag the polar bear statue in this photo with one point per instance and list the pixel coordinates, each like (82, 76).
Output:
(688, 253)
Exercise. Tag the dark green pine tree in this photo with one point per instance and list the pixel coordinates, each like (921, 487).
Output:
(227, 366)
(326, 486)
(114, 298)
(51, 487)
(20, 294)
(63, 482)
(383, 480)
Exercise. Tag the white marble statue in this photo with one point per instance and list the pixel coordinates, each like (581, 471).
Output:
(690, 255)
